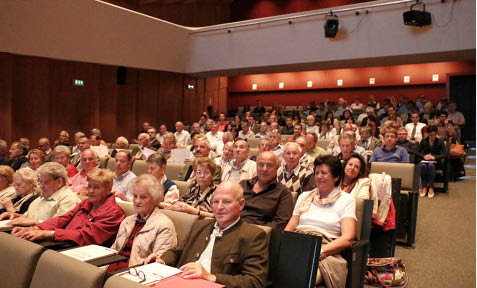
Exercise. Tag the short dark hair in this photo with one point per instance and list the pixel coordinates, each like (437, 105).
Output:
(128, 154)
(336, 168)
(157, 158)
(363, 170)
(432, 128)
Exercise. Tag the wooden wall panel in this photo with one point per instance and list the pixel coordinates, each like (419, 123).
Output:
(171, 100)
(127, 106)
(6, 95)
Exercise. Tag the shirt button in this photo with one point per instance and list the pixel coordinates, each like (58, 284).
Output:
(232, 260)
(207, 238)
(197, 255)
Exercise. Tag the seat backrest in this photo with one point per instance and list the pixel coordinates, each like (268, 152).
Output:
(177, 171)
(323, 143)
(19, 259)
(284, 138)
(116, 281)
(103, 162)
(127, 207)
(404, 171)
(294, 197)
(183, 186)
(293, 259)
(182, 222)
(60, 271)
(133, 146)
(253, 152)
(364, 215)
(253, 142)
(111, 165)
(139, 167)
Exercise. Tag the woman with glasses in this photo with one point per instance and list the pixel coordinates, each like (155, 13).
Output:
(198, 198)
(26, 190)
(148, 231)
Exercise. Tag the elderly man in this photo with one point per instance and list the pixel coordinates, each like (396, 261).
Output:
(182, 136)
(275, 139)
(390, 152)
(305, 159)
(4, 155)
(153, 142)
(121, 143)
(162, 132)
(75, 149)
(215, 137)
(56, 198)
(263, 132)
(227, 237)
(411, 147)
(202, 149)
(245, 133)
(267, 201)
(311, 148)
(367, 141)
(123, 176)
(79, 183)
(414, 128)
(83, 144)
(17, 155)
(241, 167)
(44, 145)
(228, 137)
(347, 146)
(144, 143)
(63, 139)
(168, 145)
(296, 177)
(264, 144)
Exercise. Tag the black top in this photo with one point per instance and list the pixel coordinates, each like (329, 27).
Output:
(437, 149)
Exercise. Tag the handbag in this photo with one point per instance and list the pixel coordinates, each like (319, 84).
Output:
(457, 150)
(386, 272)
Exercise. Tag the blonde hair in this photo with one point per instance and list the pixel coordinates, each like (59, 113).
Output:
(7, 171)
(103, 176)
(207, 162)
(27, 174)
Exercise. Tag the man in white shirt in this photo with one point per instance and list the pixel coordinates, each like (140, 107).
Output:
(182, 137)
(215, 136)
(123, 175)
(414, 128)
(162, 132)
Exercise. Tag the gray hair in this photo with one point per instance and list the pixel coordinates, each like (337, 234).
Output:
(288, 144)
(123, 140)
(154, 187)
(28, 175)
(56, 170)
(62, 149)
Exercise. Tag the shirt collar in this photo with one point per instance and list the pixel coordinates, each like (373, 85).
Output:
(219, 233)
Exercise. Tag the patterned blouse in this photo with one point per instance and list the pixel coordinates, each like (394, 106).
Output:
(203, 200)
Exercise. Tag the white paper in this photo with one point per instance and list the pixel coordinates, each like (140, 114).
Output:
(179, 155)
(3, 223)
(101, 150)
(154, 272)
(148, 152)
(89, 252)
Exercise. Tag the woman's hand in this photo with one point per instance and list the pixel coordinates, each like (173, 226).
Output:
(153, 258)
(180, 206)
(23, 221)
(7, 204)
(428, 157)
(121, 196)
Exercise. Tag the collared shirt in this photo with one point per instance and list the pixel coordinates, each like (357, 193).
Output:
(215, 139)
(277, 150)
(396, 155)
(160, 137)
(261, 135)
(121, 183)
(417, 134)
(183, 138)
(79, 182)
(206, 257)
(316, 152)
(248, 170)
(271, 207)
(172, 194)
(57, 204)
(356, 149)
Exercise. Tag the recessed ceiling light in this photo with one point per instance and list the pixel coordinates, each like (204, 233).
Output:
(435, 77)
(254, 86)
(340, 82)
(372, 81)
(309, 84)
(407, 79)
(281, 85)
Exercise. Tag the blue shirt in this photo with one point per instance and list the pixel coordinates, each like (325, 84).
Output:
(396, 155)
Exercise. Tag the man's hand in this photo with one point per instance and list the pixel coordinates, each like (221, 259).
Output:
(23, 221)
(196, 270)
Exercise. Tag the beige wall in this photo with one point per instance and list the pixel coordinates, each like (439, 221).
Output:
(93, 31)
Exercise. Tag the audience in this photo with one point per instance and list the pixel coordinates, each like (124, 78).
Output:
(79, 183)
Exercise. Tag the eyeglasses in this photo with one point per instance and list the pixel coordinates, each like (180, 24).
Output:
(202, 173)
(140, 274)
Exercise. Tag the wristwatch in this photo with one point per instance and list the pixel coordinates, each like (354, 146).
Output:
(52, 234)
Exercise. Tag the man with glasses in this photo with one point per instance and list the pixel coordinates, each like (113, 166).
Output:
(153, 141)
(224, 249)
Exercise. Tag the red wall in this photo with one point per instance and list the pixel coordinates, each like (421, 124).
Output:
(388, 82)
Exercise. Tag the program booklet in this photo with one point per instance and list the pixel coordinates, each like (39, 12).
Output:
(150, 273)
(90, 252)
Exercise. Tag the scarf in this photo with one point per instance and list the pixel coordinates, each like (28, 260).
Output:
(315, 198)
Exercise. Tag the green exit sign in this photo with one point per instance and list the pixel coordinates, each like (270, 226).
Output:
(78, 82)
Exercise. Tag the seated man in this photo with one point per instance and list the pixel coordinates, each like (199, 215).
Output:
(95, 220)
(275, 139)
(305, 159)
(162, 131)
(296, 177)
(297, 132)
(264, 144)
(288, 129)
(121, 144)
(144, 143)
(154, 142)
(389, 152)
(44, 145)
(414, 128)
(17, 155)
(202, 149)
(263, 132)
(182, 137)
(168, 144)
(56, 198)
(226, 250)
(245, 133)
(123, 176)
(267, 201)
(368, 142)
(347, 146)
(240, 168)
(215, 136)
(83, 144)
(410, 147)
(311, 148)
(78, 182)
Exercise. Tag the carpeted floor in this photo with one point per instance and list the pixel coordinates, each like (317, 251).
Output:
(444, 253)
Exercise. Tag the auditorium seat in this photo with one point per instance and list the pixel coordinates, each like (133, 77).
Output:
(253, 142)
(111, 165)
(182, 222)
(284, 138)
(127, 207)
(56, 270)
(183, 186)
(103, 162)
(19, 259)
(176, 171)
(120, 282)
(253, 152)
(139, 167)
(323, 143)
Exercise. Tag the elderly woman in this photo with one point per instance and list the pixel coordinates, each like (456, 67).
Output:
(95, 220)
(355, 180)
(431, 151)
(26, 190)
(62, 156)
(227, 155)
(121, 144)
(156, 166)
(36, 158)
(198, 199)
(148, 231)
(6, 179)
(328, 212)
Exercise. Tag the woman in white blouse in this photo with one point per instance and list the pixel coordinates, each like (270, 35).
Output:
(355, 177)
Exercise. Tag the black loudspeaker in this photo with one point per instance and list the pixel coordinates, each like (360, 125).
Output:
(121, 75)
(416, 17)
(331, 26)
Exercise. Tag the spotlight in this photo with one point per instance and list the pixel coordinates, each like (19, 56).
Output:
(416, 17)
(331, 25)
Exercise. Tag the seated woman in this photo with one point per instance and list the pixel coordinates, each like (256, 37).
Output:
(355, 179)
(328, 212)
(227, 155)
(156, 166)
(6, 179)
(95, 220)
(36, 158)
(198, 198)
(148, 231)
(26, 190)
(431, 151)
(62, 156)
